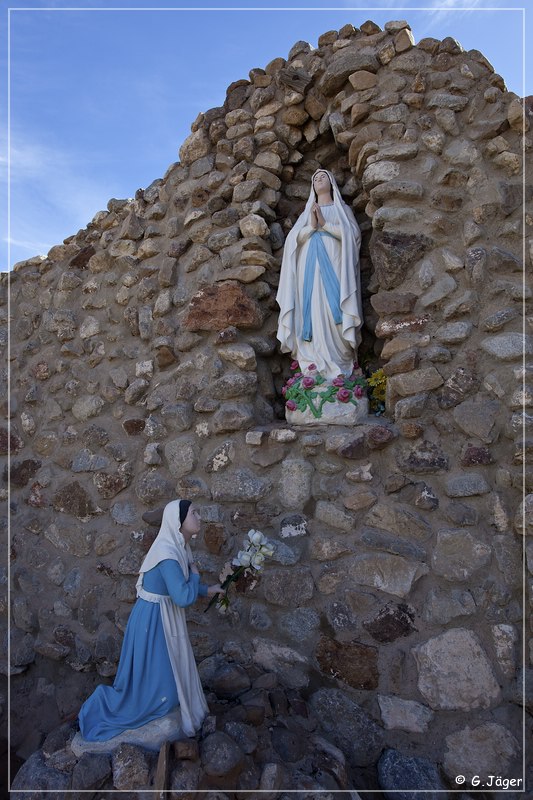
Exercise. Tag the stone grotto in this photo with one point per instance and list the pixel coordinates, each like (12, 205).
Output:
(384, 646)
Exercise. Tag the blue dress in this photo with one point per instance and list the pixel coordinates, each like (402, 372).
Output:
(144, 688)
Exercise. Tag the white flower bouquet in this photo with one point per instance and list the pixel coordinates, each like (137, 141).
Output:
(247, 564)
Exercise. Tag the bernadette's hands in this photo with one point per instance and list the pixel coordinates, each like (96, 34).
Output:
(214, 589)
(194, 568)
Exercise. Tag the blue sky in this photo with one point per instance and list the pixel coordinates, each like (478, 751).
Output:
(101, 99)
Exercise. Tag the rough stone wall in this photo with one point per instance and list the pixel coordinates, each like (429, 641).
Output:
(144, 367)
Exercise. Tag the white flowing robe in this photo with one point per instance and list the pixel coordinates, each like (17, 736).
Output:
(333, 347)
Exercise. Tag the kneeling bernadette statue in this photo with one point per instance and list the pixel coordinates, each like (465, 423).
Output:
(319, 292)
(157, 671)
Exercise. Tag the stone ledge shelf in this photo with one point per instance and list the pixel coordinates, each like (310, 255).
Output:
(332, 414)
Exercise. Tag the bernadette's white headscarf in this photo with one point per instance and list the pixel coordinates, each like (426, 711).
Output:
(350, 282)
(169, 543)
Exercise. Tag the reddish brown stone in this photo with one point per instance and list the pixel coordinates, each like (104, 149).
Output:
(392, 622)
(134, 427)
(424, 457)
(21, 472)
(379, 437)
(73, 499)
(410, 430)
(10, 441)
(214, 537)
(245, 583)
(352, 662)
(217, 307)
(165, 357)
(395, 253)
(472, 456)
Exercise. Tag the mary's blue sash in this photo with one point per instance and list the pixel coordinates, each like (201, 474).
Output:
(317, 252)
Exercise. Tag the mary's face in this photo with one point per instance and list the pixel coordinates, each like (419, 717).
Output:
(321, 182)
(191, 524)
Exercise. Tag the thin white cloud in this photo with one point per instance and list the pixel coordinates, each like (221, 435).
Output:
(29, 245)
(446, 12)
(52, 196)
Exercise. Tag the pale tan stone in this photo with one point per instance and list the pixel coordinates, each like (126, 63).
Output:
(270, 161)
(454, 672)
(147, 249)
(363, 80)
(403, 40)
(359, 500)
(517, 117)
(405, 715)
(510, 162)
(480, 752)
(420, 380)
(254, 225)
(122, 248)
(326, 548)
(386, 572)
(195, 146)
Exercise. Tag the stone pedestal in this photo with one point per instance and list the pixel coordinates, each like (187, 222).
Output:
(332, 414)
(151, 736)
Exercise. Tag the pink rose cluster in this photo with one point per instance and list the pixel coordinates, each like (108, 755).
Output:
(343, 388)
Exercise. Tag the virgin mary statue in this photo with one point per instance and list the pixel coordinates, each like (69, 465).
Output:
(319, 291)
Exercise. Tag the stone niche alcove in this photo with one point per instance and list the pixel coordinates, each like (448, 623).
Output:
(144, 367)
